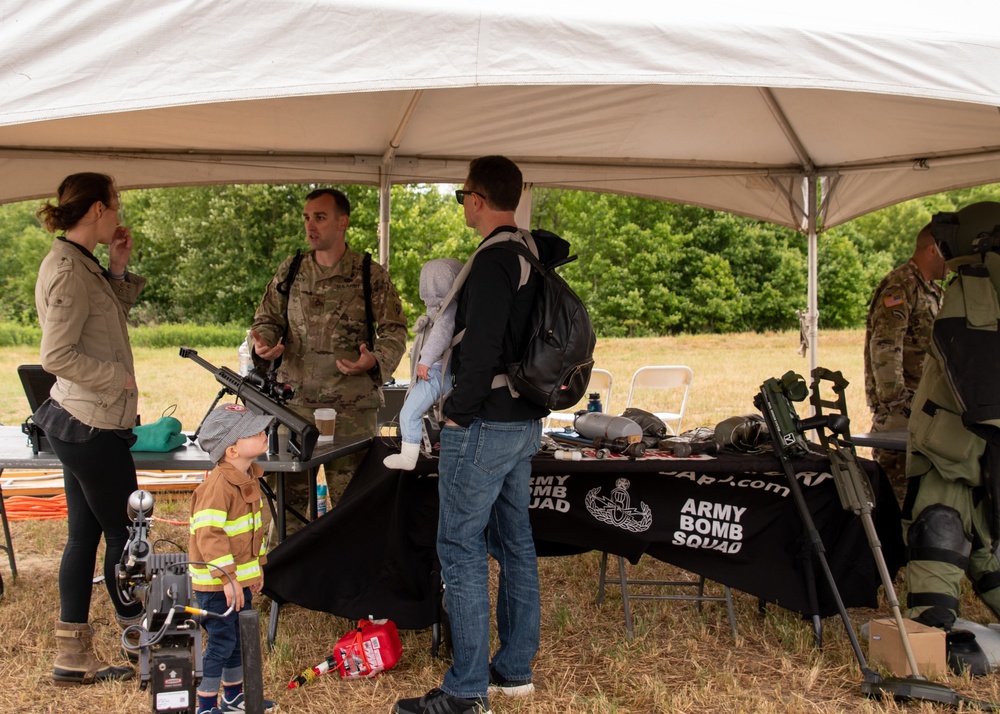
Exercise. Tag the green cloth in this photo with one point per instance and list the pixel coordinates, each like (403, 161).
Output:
(162, 435)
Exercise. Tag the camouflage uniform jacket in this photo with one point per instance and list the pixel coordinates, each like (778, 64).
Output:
(326, 322)
(897, 337)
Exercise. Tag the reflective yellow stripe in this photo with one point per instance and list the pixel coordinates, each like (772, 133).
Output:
(207, 518)
(248, 571)
(202, 576)
(243, 524)
(223, 560)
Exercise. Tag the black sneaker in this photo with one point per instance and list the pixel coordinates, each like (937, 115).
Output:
(438, 702)
(509, 687)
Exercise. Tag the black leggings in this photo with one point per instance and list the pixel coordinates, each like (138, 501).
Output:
(99, 476)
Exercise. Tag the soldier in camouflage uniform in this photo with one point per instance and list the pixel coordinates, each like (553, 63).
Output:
(319, 329)
(897, 335)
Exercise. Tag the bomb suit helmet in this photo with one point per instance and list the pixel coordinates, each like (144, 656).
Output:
(971, 230)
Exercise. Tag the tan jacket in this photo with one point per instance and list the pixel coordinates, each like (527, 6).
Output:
(85, 336)
(227, 528)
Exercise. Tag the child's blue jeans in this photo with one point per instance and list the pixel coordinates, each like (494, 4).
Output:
(423, 394)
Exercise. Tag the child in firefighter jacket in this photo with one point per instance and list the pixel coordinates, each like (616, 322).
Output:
(226, 547)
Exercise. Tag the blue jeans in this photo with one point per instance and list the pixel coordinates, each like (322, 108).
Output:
(223, 659)
(484, 493)
(421, 396)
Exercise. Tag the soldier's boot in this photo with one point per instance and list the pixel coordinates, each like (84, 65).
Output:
(965, 654)
(76, 662)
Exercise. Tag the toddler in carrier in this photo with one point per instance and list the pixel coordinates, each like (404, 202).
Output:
(427, 380)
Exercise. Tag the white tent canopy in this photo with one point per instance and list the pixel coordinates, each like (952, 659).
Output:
(743, 107)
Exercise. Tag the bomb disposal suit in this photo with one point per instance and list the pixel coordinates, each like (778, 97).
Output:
(949, 517)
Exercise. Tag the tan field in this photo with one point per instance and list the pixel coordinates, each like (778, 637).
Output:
(728, 371)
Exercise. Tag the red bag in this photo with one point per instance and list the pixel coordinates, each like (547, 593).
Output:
(371, 648)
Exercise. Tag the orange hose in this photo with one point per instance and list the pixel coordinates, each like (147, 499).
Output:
(43, 508)
(37, 508)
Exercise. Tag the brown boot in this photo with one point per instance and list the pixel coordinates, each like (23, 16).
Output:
(76, 661)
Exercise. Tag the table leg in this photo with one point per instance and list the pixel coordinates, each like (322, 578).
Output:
(9, 547)
(279, 508)
(272, 625)
(313, 501)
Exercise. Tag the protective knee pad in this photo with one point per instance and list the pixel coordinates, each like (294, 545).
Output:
(938, 540)
(938, 535)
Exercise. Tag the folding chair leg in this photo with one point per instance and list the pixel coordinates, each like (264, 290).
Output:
(625, 605)
(600, 581)
(731, 609)
(624, 582)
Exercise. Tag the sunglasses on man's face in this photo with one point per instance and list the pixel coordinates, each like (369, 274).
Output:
(461, 194)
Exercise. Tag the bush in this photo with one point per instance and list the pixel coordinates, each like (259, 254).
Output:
(13, 334)
(188, 335)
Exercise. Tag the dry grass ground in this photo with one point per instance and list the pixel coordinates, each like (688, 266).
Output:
(681, 660)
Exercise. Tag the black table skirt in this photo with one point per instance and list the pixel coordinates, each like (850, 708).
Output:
(731, 519)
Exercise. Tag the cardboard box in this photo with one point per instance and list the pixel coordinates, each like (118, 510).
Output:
(886, 647)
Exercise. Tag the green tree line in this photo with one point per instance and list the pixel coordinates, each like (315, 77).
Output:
(644, 268)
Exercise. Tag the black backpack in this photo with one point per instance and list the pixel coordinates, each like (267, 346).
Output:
(554, 370)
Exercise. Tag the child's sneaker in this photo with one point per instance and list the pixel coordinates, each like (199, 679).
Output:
(238, 704)
(509, 687)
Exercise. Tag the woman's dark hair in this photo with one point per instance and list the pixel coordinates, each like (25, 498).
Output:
(77, 193)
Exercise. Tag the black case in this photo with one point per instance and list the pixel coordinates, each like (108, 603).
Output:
(37, 383)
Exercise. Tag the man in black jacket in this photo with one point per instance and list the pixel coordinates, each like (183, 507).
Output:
(487, 443)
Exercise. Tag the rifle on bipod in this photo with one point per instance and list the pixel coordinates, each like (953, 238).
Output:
(262, 394)
(856, 495)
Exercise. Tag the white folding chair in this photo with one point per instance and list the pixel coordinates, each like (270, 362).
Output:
(672, 378)
(600, 381)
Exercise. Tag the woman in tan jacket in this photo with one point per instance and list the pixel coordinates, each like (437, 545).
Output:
(89, 416)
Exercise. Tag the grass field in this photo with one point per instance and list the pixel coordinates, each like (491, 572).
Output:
(681, 660)
(728, 371)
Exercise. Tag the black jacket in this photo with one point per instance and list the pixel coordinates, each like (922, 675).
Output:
(496, 317)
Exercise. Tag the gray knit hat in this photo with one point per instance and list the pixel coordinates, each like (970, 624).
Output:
(226, 425)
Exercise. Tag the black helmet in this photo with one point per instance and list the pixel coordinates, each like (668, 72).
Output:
(973, 229)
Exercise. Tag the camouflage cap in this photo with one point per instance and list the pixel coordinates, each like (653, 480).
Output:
(226, 425)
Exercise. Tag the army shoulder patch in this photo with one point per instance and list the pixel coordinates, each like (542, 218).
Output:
(892, 300)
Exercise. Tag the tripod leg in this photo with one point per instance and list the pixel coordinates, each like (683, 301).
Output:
(820, 551)
(220, 395)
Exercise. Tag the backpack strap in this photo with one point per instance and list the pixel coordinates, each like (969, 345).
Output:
(521, 242)
(366, 286)
(285, 288)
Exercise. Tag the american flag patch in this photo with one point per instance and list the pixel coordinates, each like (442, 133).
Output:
(893, 300)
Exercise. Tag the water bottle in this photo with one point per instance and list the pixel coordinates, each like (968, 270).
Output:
(321, 493)
(594, 405)
(246, 362)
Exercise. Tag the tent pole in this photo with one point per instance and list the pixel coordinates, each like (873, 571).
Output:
(812, 314)
(522, 216)
(384, 211)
